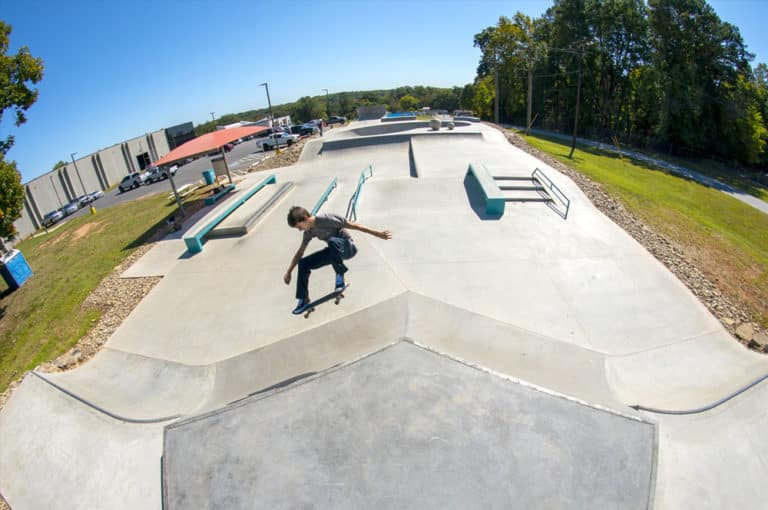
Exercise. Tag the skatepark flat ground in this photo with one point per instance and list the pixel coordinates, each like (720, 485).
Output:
(574, 308)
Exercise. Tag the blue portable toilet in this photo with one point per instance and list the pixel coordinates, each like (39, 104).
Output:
(14, 268)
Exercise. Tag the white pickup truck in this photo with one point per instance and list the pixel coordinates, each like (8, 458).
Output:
(277, 140)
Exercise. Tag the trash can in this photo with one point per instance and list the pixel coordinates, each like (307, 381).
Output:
(209, 177)
(14, 268)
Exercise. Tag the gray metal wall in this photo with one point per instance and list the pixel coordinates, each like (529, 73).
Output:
(97, 171)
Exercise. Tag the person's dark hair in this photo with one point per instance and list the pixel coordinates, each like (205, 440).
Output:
(296, 215)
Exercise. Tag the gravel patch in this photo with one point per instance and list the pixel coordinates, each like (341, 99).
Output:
(735, 317)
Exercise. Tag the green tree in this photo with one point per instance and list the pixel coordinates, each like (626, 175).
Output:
(482, 101)
(509, 48)
(445, 100)
(17, 72)
(11, 198)
(307, 108)
(467, 96)
(59, 165)
(345, 104)
(699, 59)
(408, 103)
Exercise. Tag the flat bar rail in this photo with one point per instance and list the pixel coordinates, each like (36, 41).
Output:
(324, 197)
(554, 190)
(352, 207)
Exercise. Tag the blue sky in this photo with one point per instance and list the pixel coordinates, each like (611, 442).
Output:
(116, 70)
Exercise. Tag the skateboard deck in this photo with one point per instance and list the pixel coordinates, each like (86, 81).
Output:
(336, 296)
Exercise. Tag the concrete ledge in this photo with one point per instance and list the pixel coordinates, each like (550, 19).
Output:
(243, 226)
(397, 128)
(494, 198)
(194, 238)
(362, 141)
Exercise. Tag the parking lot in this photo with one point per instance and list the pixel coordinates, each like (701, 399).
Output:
(249, 152)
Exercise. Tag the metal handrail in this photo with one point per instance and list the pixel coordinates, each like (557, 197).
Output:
(324, 196)
(545, 181)
(352, 206)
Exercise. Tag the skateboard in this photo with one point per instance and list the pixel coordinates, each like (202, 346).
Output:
(336, 296)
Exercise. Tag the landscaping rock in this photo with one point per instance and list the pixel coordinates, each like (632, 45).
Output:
(745, 332)
(761, 341)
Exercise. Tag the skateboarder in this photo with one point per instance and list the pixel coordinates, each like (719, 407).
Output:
(330, 228)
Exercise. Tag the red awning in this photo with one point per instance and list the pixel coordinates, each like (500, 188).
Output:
(207, 143)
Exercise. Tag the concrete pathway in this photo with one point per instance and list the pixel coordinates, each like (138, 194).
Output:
(571, 307)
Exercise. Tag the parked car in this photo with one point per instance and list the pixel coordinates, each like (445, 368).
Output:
(277, 140)
(156, 174)
(83, 200)
(309, 128)
(95, 195)
(71, 208)
(52, 217)
(131, 181)
(335, 119)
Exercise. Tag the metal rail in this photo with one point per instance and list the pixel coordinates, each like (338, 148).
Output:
(352, 206)
(324, 196)
(723, 400)
(555, 191)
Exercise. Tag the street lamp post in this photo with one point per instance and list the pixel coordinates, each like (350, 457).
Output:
(327, 102)
(271, 116)
(77, 170)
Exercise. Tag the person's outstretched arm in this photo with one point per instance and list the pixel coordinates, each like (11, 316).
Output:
(383, 234)
(295, 261)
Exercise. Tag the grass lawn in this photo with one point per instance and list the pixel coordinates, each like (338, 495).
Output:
(45, 317)
(725, 238)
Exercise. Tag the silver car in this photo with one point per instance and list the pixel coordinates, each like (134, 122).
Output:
(70, 208)
(52, 217)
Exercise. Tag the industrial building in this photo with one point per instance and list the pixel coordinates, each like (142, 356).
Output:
(96, 171)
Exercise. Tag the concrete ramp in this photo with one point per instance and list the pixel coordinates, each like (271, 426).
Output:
(56, 453)
(137, 388)
(408, 428)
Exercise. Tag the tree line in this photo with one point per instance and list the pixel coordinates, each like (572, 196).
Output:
(663, 74)
(405, 98)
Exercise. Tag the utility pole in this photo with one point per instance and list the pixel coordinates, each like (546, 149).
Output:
(77, 170)
(496, 80)
(271, 116)
(530, 100)
(213, 119)
(576, 117)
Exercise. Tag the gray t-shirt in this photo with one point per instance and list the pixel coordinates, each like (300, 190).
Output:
(327, 226)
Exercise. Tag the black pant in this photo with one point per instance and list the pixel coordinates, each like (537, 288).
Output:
(338, 250)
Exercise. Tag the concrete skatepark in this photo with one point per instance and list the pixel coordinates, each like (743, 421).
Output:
(478, 361)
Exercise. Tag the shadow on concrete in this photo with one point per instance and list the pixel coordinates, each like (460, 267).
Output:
(477, 199)
(412, 162)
